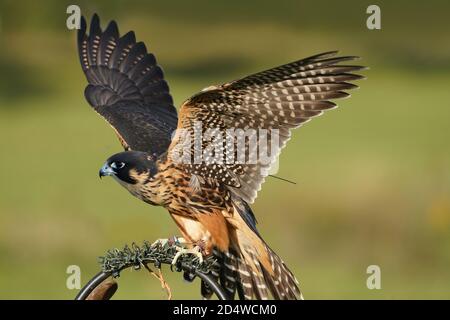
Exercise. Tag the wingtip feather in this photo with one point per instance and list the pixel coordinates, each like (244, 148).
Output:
(95, 25)
(112, 29)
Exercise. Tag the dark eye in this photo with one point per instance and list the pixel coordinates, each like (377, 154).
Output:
(117, 165)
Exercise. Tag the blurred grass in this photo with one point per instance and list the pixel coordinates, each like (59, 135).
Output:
(373, 176)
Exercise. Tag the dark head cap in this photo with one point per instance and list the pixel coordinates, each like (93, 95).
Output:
(128, 165)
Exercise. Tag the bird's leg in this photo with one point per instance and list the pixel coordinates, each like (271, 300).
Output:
(201, 244)
(180, 245)
(197, 250)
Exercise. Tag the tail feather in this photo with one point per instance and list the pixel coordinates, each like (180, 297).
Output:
(259, 281)
(250, 267)
(236, 275)
(283, 282)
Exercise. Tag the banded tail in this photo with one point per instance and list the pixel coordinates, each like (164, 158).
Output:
(237, 275)
(251, 268)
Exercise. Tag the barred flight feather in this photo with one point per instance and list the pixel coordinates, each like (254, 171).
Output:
(281, 98)
(127, 87)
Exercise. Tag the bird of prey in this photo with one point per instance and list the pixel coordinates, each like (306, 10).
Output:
(207, 199)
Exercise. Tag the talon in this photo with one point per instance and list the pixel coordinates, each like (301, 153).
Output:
(183, 251)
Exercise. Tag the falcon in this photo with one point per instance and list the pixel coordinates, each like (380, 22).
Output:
(207, 197)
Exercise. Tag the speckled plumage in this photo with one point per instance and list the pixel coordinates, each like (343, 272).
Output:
(208, 200)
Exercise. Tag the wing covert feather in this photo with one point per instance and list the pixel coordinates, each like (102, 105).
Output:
(276, 100)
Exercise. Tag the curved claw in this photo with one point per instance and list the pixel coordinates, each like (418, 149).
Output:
(183, 251)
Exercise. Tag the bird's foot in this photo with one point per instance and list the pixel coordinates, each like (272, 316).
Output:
(180, 245)
(196, 250)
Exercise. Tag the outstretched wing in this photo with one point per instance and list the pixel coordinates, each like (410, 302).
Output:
(278, 100)
(127, 87)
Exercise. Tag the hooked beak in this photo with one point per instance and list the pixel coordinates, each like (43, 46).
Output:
(106, 170)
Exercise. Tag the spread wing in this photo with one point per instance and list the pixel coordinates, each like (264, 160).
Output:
(127, 87)
(277, 100)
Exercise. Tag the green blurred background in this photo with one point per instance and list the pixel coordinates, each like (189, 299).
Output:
(373, 177)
